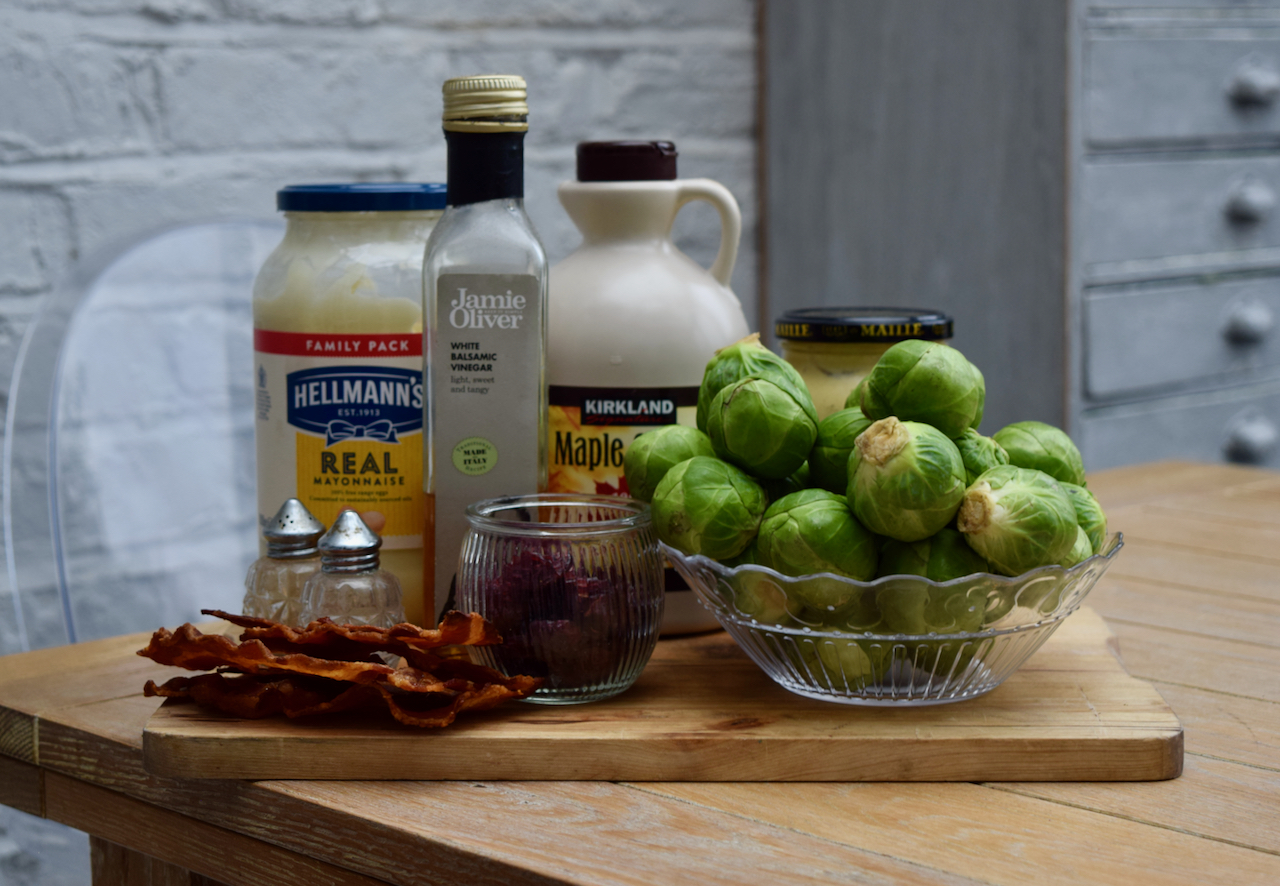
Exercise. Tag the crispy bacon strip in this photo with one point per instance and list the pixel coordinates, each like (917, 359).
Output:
(247, 697)
(250, 698)
(188, 648)
(271, 672)
(457, 629)
(404, 709)
(460, 668)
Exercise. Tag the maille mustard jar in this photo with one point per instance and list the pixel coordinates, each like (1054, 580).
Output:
(835, 348)
(337, 340)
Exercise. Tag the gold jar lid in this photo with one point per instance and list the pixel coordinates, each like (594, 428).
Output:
(486, 103)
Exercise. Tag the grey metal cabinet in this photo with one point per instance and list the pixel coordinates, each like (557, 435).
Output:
(1092, 189)
(1177, 236)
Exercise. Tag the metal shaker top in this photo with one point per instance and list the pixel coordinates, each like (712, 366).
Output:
(349, 545)
(293, 532)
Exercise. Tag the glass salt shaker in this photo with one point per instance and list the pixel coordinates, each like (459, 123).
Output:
(273, 586)
(351, 587)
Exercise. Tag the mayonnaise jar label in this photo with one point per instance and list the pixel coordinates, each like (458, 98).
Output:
(339, 425)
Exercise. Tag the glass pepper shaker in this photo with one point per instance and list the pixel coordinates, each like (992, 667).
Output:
(351, 587)
(273, 585)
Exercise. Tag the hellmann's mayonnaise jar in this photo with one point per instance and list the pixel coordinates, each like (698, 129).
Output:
(337, 316)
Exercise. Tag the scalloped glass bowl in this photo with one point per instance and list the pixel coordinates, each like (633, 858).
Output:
(977, 630)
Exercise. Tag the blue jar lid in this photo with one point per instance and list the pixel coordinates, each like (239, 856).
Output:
(362, 197)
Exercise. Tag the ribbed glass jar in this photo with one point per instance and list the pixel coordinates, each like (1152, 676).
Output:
(574, 585)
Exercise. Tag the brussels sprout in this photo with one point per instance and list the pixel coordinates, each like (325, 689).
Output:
(1017, 519)
(906, 479)
(813, 531)
(705, 506)
(979, 454)
(858, 611)
(941, 557)
(903, 558)
(854, 400)
(1089, 515)
(1034, 444)
(761, 427)
(999, 607)
(748, 358)
(750, 555)
(653, 453)
(776, 489)
(911, 607)
(926, 382)
(1080, 551)
(943, 658)
(1046, 596)
(801, 478)
(841, 664)
(846, 662)
(829, 458)
(758, 596)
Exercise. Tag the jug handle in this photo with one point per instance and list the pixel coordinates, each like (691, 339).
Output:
(717, 195)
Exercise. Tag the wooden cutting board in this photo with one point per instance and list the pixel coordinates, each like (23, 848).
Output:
(703, 711)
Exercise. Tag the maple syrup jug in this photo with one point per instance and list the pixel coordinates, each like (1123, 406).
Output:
(632, 322)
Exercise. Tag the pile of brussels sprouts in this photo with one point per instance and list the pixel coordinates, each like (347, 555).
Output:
(899, 482)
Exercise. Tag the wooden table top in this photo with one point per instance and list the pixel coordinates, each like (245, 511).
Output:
(1194, 602)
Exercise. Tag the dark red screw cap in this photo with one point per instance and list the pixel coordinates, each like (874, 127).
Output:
(626, 161)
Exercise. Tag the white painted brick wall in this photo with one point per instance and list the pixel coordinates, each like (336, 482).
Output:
(121, 117)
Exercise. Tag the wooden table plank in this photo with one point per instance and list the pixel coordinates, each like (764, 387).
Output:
(177, 840)
(21, 786)
(1217, 799)
(464, 832)
(1212, 534)
(1159, 605)
(1259, 505)
(1227, 727)
(35, 682)
(1201, 571)
(86, 656)
(995, 836)
(1140, 484)
(651, 839)
(1186, 659)
(114, 865)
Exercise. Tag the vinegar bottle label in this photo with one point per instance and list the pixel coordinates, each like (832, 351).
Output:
(487, 401)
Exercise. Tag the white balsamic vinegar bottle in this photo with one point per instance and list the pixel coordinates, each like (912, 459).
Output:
(484, 297)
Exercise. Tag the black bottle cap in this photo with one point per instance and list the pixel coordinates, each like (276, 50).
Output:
(626, 161)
